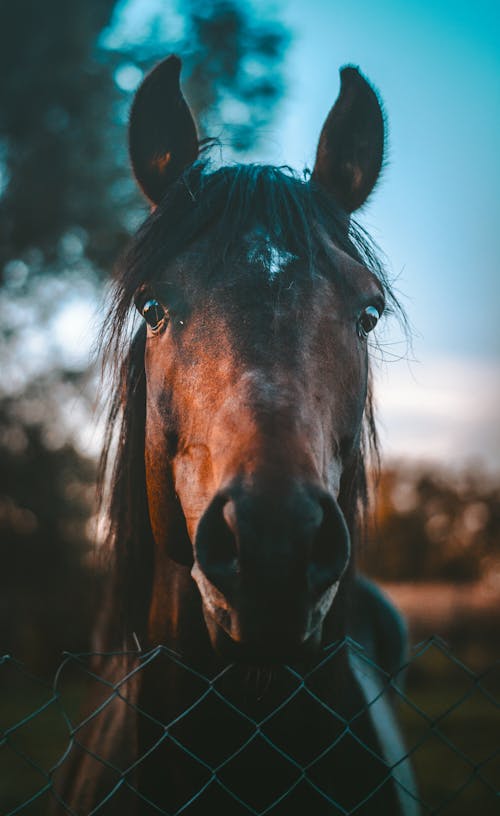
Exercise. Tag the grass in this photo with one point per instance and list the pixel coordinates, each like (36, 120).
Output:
(34, 737)
(451, 723)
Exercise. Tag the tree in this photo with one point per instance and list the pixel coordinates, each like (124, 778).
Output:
(55, 97)
(430, 526)
(45, 503)
(63, 108)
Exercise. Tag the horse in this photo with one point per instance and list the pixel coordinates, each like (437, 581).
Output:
(238, 438)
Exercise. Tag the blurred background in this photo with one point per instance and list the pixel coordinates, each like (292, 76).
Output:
(260, 76)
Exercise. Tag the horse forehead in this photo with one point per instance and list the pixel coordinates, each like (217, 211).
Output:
(261, 276)
(262, 250)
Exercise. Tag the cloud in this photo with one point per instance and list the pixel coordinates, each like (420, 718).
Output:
(445, 410)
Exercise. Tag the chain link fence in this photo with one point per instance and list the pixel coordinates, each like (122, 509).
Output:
(449, 714)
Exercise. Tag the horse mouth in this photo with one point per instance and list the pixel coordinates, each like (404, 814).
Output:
(268, 567)
(262, 636)
(260, 653)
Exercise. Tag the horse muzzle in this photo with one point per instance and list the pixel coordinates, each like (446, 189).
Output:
(268, 565)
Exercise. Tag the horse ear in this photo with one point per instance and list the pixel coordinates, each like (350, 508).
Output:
(162, 133)
(351, 146)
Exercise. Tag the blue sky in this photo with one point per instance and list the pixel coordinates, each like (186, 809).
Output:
(437, 67)
(435, 213)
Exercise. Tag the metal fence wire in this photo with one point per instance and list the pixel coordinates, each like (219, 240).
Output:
(450, 717)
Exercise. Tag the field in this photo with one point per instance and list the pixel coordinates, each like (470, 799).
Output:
(454, 733)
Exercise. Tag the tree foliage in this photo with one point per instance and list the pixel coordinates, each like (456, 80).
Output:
(46, 490)
(63, 111)
(430, 526)
(56, 156)
(231, 81)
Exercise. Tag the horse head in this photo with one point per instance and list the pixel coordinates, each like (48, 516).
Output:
(257, 307)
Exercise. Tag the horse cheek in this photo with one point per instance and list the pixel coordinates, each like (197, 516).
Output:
(194, 483)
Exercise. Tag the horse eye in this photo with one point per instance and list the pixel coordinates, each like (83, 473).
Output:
(153, 313)
(367, 321)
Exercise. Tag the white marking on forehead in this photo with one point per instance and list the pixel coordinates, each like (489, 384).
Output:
(278, 259)
(274, 259)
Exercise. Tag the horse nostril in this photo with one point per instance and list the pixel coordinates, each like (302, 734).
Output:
(215, 545)
(235, 540)
(330, 550)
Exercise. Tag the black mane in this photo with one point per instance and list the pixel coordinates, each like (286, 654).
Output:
(297, 216)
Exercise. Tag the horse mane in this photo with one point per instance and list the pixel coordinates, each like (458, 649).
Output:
(296, 215)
